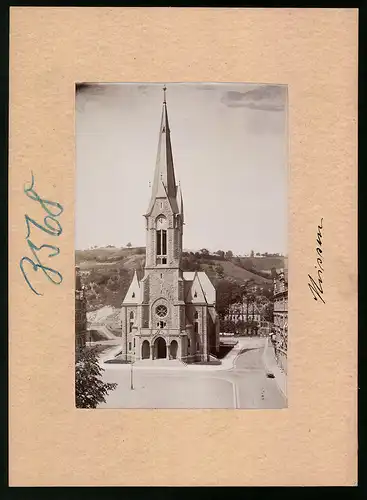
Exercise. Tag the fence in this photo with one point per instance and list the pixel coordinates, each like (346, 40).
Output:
(209, 359)
(281, 357)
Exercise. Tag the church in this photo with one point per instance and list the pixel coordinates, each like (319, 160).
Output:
(168, 314)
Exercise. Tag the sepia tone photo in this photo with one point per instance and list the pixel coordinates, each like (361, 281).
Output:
(181, 274)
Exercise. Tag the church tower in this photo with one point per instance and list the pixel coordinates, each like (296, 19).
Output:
(168, 314)
(162, 309)
(164, 217)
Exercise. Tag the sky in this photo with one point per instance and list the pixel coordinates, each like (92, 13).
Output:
(229, 145)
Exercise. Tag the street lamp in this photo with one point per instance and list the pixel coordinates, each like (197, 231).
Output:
(131, 371)
(131, 376)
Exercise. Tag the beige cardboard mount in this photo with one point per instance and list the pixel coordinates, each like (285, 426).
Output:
(313, 442)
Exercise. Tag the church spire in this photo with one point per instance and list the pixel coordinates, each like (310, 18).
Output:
(164, 183)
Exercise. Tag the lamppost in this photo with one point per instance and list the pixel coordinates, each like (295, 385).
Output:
(131, 376)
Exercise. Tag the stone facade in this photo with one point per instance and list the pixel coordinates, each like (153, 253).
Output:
(168, 313)
(80, 312)
(281, 317)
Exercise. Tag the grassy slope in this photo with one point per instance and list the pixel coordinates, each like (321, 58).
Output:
(265, 263)
(235, 272)
(110, 271)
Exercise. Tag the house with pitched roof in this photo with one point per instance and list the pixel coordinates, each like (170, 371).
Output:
(168, 314)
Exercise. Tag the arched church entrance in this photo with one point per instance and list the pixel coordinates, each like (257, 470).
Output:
(145, 350)
(160, 348)
(173, 349)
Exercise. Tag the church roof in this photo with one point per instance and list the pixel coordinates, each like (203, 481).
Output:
(133, 294)
(164, 183)
(208, 287)
(198, 287)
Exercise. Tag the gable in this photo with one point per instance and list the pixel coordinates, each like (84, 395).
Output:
(195, 294)
(133, 294)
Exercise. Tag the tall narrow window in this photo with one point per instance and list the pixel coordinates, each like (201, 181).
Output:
(162, 246)
(131, 321)
(161, 240)
(164, 242)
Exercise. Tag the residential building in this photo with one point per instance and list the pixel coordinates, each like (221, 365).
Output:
(80, 311)
(252, 314)
(281, 316)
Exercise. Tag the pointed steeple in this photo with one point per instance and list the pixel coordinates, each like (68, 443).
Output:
(164, 183)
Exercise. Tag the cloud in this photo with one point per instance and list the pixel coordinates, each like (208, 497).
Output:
(263, 97)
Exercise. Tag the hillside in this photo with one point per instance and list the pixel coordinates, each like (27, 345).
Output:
(108, 271)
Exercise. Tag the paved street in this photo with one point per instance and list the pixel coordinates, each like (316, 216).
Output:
(245, 385)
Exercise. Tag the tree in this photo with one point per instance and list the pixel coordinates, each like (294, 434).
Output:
(268, 292)
(129, 245)
(257, 254)
(190, 263)
(219, 270)
(269, 312)
(229, 254)
(248, 264)
(227, 293)
(90, 390)
(240, 327)
(252, 254)
(227, 326)
(204, 251)
(274, 273)
(113, 283)
(220, 253)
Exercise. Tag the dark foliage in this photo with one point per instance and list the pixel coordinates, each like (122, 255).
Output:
(90, 390)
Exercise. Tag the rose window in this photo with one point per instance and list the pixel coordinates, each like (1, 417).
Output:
(161, 311)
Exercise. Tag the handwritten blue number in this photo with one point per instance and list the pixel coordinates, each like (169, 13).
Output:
(52, 227)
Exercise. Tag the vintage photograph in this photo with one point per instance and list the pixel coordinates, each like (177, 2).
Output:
(181, 258)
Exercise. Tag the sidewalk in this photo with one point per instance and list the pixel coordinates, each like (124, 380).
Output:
(271, 365)
(243, 343)
(227, 363)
